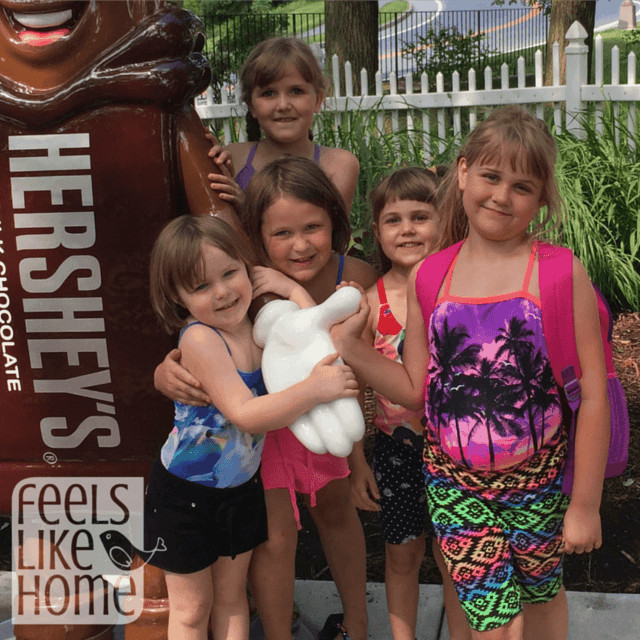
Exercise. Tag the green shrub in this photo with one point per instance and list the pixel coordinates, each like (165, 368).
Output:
(599, 181)
(447, 50)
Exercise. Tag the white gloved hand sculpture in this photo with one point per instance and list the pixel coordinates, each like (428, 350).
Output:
(294, 341)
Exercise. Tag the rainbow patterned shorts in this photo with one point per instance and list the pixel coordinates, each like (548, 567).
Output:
(500, 531)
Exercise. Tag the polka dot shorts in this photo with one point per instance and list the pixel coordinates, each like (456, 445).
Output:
(398, 468)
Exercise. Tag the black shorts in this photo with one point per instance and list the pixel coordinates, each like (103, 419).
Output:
(199, 524)
(398, 469)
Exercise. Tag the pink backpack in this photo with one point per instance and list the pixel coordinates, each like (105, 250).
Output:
(556, 298)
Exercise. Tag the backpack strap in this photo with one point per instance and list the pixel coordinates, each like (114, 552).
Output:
(555, 269)
(430, 277)
(606, 329)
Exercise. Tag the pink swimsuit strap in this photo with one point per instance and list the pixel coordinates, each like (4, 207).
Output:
(523, 292)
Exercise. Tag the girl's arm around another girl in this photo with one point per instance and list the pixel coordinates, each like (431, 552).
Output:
(176, 383)
(362, 482)
(582, 528)
(205, 355)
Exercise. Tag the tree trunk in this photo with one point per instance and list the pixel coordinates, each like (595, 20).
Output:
(351, 31)
(563, 14)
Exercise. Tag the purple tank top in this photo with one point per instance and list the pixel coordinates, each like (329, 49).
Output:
(243, 177)
(491, 399)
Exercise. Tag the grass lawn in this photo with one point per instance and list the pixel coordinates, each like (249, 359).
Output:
(302, 6)
(304, 9)
(317, 6)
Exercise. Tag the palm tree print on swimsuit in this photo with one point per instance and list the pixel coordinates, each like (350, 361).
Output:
(491, 402)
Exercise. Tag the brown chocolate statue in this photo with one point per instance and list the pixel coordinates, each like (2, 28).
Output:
(99, 147)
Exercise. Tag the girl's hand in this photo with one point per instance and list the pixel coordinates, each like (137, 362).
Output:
(226, 187)
(582, 530)
(352, 327)
(333, 381)
(223, 182)
(220, 155)
(363, 485)
(267, 280)
(172, 380)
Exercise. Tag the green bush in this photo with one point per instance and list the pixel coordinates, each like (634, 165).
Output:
(447, 50)
(599, 181)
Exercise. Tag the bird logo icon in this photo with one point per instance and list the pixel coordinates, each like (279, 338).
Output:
(121, 551)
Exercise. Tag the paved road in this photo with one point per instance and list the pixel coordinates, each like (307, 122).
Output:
(518, 30)
(606, 10)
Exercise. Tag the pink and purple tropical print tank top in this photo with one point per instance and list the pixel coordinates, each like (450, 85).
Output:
(491, 399)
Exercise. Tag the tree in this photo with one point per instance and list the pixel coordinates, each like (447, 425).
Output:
(233, 28)
(563, 14)
(351, 31)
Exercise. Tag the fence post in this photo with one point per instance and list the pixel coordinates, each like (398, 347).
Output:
(576, 76)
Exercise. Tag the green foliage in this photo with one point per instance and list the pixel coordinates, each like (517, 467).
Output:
(447, 50)
(599, 181)
(632, 38)
(234, 27)
(217, 12)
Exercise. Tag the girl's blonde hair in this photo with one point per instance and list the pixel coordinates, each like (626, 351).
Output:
(267, 63)
(509, 133)
(176, 261)
(297, 178)
(406, 183)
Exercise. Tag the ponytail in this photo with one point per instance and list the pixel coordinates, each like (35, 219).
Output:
(253, 128)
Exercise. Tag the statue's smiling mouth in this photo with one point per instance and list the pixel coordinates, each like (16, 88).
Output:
(43, 28)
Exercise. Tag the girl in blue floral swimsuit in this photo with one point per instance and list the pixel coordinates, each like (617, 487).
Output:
(205, 498)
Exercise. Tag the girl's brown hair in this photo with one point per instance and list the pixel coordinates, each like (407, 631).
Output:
(406, 183)
(176, 261)
(267, 63)
(297, 178)
(510, 133)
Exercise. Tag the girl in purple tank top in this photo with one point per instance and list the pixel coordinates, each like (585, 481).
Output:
(283, 88)
(496, 445)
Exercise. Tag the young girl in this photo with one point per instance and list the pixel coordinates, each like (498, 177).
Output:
(495, 497)
(297, 223)
(406, 227)
(283, 88)
(205, 497)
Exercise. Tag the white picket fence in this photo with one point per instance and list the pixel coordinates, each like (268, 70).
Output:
(568, 101)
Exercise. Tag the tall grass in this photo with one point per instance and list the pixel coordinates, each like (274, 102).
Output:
(598, 178)
(599, 181)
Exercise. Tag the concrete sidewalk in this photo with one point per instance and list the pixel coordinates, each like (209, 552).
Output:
(592, 616)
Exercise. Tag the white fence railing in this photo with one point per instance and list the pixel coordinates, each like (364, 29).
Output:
(568, 101)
